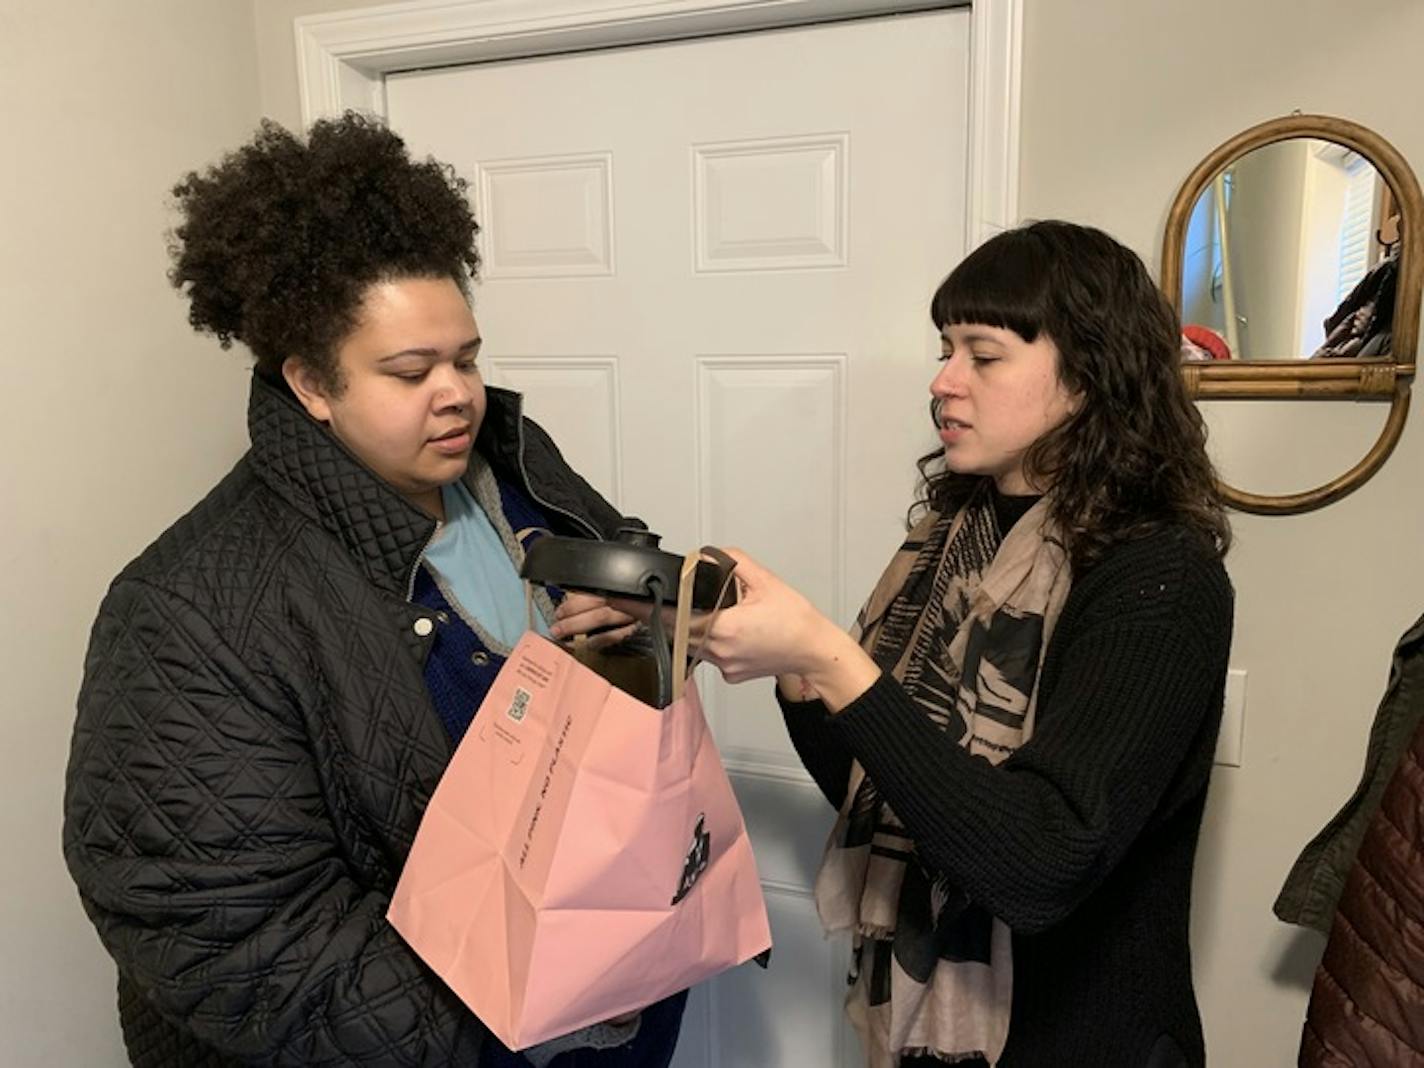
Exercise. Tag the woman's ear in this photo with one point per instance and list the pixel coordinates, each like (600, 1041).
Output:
(308, 388)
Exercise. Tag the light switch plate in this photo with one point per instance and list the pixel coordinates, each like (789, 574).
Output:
(1233, 720)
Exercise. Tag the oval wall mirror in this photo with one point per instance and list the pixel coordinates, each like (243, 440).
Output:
(1294, 254)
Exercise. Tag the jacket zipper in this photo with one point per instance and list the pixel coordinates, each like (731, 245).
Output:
(415, 568)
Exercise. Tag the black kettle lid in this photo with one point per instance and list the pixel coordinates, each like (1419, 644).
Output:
(630, 566)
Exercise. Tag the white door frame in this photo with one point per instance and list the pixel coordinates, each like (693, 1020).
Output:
(343, 56)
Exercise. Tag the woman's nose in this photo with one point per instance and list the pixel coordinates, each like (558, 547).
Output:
(452, 390)
(949, 381)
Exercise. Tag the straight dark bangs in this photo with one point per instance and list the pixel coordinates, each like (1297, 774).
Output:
(1003, 283)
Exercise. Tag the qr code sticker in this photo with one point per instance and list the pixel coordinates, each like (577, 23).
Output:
(520, 705)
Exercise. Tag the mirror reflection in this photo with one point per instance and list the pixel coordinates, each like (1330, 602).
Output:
(1291, 253)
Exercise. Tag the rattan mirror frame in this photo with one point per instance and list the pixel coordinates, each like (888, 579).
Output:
(1321, 379)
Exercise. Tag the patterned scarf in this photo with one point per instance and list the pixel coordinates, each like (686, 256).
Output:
(961, 618)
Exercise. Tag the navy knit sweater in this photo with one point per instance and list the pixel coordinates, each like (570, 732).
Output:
(1083, 840)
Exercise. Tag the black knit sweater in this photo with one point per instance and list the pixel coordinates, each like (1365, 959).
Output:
(1083, 840)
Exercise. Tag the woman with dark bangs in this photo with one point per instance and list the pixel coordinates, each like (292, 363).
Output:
(1019, 730)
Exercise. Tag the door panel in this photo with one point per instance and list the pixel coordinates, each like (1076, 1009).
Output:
(708, 266)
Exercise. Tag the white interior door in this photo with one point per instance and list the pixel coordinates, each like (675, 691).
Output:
(708, 266)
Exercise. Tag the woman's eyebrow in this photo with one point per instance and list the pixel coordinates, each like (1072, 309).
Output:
(972, 337)
(473, 345)
(979, 335)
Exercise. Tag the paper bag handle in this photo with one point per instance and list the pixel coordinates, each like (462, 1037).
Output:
(682, 668)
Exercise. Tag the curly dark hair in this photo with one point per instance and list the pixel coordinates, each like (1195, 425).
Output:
(279, 240)
(1132, 458)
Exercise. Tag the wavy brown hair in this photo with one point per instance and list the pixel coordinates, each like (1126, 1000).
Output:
(1132, 459)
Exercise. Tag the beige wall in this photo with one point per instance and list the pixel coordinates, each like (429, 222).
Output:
(116, 417)
(277, 53)
(1121, 98)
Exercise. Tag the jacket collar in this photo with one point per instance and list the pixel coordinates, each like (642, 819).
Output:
(305, 464)
(500, 438)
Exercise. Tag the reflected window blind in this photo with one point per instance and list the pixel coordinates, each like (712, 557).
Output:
(1355, 226)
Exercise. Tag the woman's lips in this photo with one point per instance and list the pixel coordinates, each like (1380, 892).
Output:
(453, 443)
(951, 430)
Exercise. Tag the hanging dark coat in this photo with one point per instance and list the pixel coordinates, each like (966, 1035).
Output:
(1367, 1005)
(1317, 878)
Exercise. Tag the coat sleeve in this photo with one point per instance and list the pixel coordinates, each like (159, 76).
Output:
(197, 830)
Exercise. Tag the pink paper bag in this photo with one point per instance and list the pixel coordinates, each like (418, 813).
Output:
(582, 857)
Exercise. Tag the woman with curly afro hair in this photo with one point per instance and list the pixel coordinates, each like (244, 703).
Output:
(274, 687)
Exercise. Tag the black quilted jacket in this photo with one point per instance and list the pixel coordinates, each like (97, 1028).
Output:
(255, 747)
